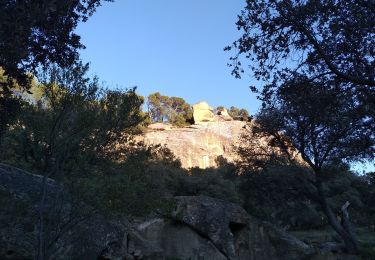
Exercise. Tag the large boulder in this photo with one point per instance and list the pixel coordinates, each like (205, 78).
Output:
(202, 112)
(236, 234)
(223, 115)
(213, 218)
(179, 241)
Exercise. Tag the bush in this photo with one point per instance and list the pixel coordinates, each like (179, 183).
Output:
(280, 195)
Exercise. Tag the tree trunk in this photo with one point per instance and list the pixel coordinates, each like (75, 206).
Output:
(41, 235)
(343, 229)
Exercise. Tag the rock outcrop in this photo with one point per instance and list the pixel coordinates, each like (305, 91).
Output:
(213, 218)
(202, 112)
(207, 144)
(206, 228)
(223, 115)
(213, 137)
(200, 145)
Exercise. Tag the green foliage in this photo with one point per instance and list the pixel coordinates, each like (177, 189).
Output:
(126, 191)
(278, 31)
(148, 180)
(171, 109)
(74, 124)
(286, 196)
(32, 35)
(207, 182)
(281, 195)
(326, 125)
(236, 113)
(9, 105)
(239, 114)
(35, 33)
(132, 187)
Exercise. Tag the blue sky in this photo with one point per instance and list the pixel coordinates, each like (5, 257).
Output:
(171, 46)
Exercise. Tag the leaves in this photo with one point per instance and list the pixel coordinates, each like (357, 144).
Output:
(314, 38)
(171, 109)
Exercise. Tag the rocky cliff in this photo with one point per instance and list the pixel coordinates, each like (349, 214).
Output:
(201, 144)
(214, 136)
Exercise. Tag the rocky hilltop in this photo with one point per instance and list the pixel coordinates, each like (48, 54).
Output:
(213, 135)
(199, 145)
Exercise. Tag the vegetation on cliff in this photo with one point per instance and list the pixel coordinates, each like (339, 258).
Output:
(173, 110)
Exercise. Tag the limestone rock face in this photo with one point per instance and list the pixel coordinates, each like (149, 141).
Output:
(200, 145)
(202, 112)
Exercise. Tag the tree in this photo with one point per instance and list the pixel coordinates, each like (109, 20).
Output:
(180, 112)
(330, 40)
(239, 114)
(35, 33)
(77, 123)
(327, 126)
(328, 113)
(175, 110)
(156, 107)
(9, 106)
(75, 119)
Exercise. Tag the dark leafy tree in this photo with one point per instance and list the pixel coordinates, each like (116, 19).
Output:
(330, 39)
(327, 126)
(75, 119)
(33, 34)
(76, 123)
(38, 32)
(9, 105)
(280, 194)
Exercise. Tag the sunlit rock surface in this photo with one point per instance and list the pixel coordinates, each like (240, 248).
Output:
(202, 112)
(200, 145)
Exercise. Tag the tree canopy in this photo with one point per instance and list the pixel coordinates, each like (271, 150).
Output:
(174, 110)
(326, 125)
(239, 114)
(330, 40)
(75, 121)
(35, 33)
